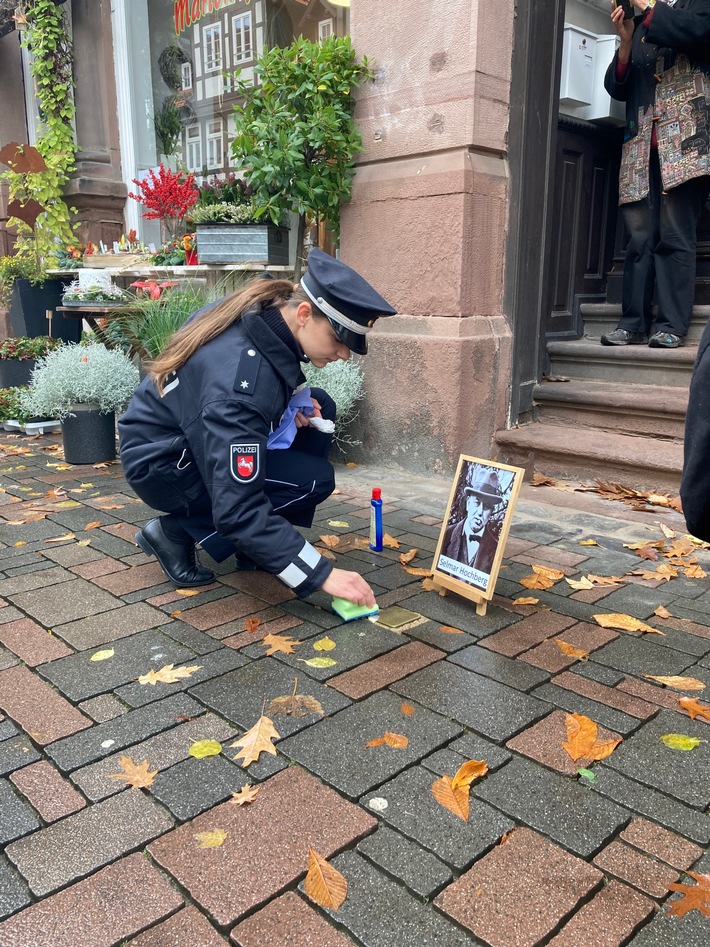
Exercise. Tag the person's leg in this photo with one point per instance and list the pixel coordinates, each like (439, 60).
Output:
(675, 258)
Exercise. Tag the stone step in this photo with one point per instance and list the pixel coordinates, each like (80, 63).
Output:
(623, 364)
(643, 463)
(630, 409)
(604, 317)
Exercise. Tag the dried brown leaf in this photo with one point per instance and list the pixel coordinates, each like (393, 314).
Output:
(330, 541)
(413, 570)
(390, 542)
(695, 572)
(282, 643)
(455, 800)
(93, 525)
(579, 584)
(396, 740)
(676, 682)
(407, 709)
(535, 581)
(245, 795)
(694, 708)
(581, 736)
(467, 772)
(168, 674)
(256, 740)
(324, 884)
(449, 630)
(407, 557)
(604, 580)
(295, 705)
(662, 612)
(135, 774)
(251, 624)
(623, 622)
(568, 649)
(695, 897)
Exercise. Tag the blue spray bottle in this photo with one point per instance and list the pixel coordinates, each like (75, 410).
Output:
(376, 520)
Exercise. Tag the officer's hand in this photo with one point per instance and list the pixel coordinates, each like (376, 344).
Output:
(350, 586)
(302, 419)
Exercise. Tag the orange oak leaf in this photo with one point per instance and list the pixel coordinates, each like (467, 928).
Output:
(449, 630)
(324, 884)
(647, 552)
(396, 740)
(695, 897)
(168, 674)
(135, 774)
(282, 643)
(568, 649)
(407, 709)
(624, 623)
(251, 624)
(407, 557)
(245, 795)
(538, 582)
(581, 736)
(694, 708)
(257, 740)
(695, 572)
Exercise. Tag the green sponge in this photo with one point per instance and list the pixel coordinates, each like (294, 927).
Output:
(350, 611)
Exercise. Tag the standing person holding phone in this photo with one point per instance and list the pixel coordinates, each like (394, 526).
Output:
(662, 71)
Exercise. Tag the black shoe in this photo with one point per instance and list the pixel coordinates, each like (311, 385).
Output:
(665, 340)
(243, 563)
(178, 560)
(624, 337)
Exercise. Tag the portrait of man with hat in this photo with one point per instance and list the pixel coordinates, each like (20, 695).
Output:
(473, 538)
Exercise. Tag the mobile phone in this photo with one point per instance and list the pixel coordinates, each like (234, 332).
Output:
(627, 7)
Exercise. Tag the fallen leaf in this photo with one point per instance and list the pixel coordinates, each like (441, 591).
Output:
(662, 612)
(407, 557)
(603, 748)
(320, 662)
(61, 539)
(390, 541)
(648, 552)
(667, 531)
(251, 624)
(588, 542)
(84, 542)
(448, 630)
(456, 801)
(330, 541)
(295, 705)
(587, 773)
(679, 741)
(138, 775)
(624, 623)
(188, 592)
(570, 650)
(695, 897)
(328, 554)
(526, 601)
(282, 643)
(324, 644)
(541, 480)
(257, 740)
(578, 584)
(92, 525)
(351, 463)
(396, 740)
(68, 505)
(201, 749)
(168, 674)
(212, 839)
(341, 524)
(20, 543)
(668, 572)
(695, 572)
(549, 573)
(604, 580)
(102, 655)
(413, 570)
(659, 544)
(407, 709)
(535, 581)
(467, 772)
(678, 683)
(245, 795)
(175, 614)
(324, 884)
(646, 575)
(694, 708)
(581, 736)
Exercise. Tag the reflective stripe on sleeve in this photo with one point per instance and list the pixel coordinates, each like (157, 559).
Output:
(310, 555)
(292, 576)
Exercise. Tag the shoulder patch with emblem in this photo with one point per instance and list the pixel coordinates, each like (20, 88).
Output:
(244, 462)
(247, 371)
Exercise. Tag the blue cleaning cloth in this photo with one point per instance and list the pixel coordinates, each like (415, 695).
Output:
(283, 436)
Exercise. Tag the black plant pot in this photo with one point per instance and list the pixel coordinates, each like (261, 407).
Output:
(15, 371)
(28, 311)
(89, 437)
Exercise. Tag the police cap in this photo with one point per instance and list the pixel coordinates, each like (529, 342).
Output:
(348, 301)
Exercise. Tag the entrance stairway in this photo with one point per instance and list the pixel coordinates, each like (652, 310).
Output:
(619, 417)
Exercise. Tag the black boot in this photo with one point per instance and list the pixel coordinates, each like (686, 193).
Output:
(178, 558)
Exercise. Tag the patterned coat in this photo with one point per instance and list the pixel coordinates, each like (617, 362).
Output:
(668, 80)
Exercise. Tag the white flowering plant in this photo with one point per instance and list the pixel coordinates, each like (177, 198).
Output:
(345, 384)
(80, 374)
(101, 293)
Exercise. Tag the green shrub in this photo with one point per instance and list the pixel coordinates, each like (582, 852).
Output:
(24, 347)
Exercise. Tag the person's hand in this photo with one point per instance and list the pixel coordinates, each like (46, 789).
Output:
(623, 27)
(302, 419)
(639, 4)
(350, 586)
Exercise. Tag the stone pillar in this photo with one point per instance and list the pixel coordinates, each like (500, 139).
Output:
(427, 226)
(96, 189)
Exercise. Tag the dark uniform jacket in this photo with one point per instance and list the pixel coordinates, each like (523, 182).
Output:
(209, 431)
(695, 485)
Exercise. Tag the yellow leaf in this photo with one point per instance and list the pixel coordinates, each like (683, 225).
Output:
(320, 662)
(455, 800)
(679, 741)
(694, 708)
(138, 775)
(324, 884)
(245, 795)
(340, 524)
(390, 541)
(212, 839)
(624, 623)
(324, 644)
(20, 543)
(570, 650)
(168, 674)
(662, 612)
(67, 505)
(526, 601)
(102, 655)
(588, 542)
(61, 539)
(578, 584)
(678, 683)
(204, 748)
(175, 614)
(396, 740)
(186, 593)
(467, 772)
(256, 740)
(407, 557)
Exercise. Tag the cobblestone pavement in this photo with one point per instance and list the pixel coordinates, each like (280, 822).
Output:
(547, 856)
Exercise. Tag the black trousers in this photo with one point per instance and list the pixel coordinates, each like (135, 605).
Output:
(662, 246)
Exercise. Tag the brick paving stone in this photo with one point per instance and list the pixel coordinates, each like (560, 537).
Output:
(243, 638)
(14, 893)
(519, 892)
(188, 927)
(131, 580)
(261, 585)
(474, 747)
(267, 843)
(193, 786)
(107, 738)
(648, 875)
(334, 748)
(8, 613)
(590, 596)
(490, 708)
(543, 742)
(613, 915)
(37, 708)
(190, 637)
(430, 633)
(598, 672)
(636, 600)
(450, 610)
(560, 808)
(422, 872)
(500, 668)
(96, 567)
(549, 656)
(15, 753)
(240, 695)
(385, 670)
(413, 811)
(78, 599)
(49, 793)
(610, 696)
(668, 931)
(659, 842)
(78, 845)
(642, 799)
(72, 555)
(214, 664)
(204, 617)
(288, 920)
(162, 751)
(103, 708)
(101, 911)
(7, 729)
(662, 696)
(687, 627)
(32, 643)
(684, 776)
(317, 610)
(380, 913)
(16, 817)
(105, 627)
(553, 555)
(527, 633)
(79, 677)
(574, 703)
(9, 588)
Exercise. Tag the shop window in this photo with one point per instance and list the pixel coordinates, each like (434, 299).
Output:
(325, 28)
(186, 76)
(193, 148)
(212, 47)
(215, 157)
(242, 34)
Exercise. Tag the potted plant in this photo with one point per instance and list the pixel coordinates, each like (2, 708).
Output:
(18, 357)
(14, 417)
(168, 196)
(27, 295)
(230, 227)
(189, 245)
(83, 386)
(100, 294)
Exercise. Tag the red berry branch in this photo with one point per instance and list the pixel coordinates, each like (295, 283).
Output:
(166, 194)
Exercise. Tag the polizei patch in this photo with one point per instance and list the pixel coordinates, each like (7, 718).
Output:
(244, 462)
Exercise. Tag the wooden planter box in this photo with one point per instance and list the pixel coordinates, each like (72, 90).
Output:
(242, 243)
(100, 261)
